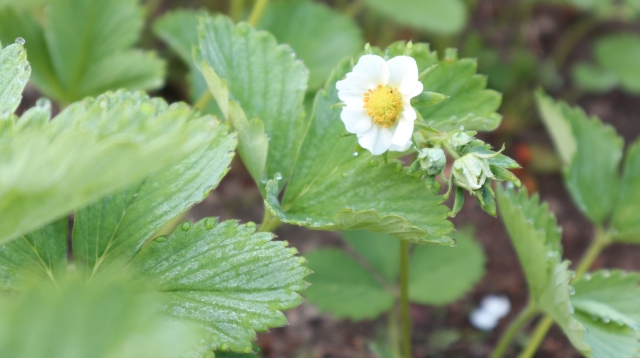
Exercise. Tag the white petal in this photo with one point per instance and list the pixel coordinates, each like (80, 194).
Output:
(400, 148)
(356, 119)
(377, 139)
(403, 74)
(350, 92)
(402, 133)
(368, 73)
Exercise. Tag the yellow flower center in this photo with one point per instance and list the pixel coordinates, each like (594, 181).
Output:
(383, 104)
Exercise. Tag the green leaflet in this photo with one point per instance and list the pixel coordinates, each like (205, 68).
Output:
(84, 48)
(536, 239)
(14, 73)
(113, 229)
(618, 54)
(444, 17)
(593, 78)
(606, 303)
(320, 36)
(41, 253)
(470, 104)
(229, 279)
(626, 216)
(84, 153)
(265, 79)
(592, 172)
(331, 189)
(106, 319)
(362, 283)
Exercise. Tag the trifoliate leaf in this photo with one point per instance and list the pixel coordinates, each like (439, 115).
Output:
(470, 104)
(84, 48)
(592, 174)
(626, 215)
(619, 54)
(440, 275)
(226, 278)
(609, 296)
(14, 73)
(40, 254)
(536, 239)
(265, 79)
(341, 286)
(81, 320)
(593, 78)
(331, 189)
(92, 149)
(320, 36)
(443, 17)
(113, 229)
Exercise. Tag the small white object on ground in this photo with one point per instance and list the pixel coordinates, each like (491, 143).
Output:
(492, 308)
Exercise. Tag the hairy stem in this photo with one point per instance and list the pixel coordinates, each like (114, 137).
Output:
(269, 222)
(537, 337)
(405, 319)
(514, 327)
(256, 12)
(600, 241)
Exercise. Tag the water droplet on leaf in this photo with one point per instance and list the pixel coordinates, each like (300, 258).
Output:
(278, 176)
(185, 225)
(373, 163)
(209, 223)
(355, 154)
(251, 224)
(20, 41)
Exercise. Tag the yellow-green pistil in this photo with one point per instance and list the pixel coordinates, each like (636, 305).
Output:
(383, 104)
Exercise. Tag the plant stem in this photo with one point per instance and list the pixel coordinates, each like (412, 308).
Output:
(405, 319)
(600, 241)
(203, 101)
(256, 12)
(394, 338)
(538, 336)
(514, 327)
(269, 222)
(354, 9)
(570, 39)
(237, 9)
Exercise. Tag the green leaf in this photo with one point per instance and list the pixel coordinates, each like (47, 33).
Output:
(555, 116)
(331, 189)
(340, 285)
(90, 150)
(442, 17)
(470, 104)
(619, 55)
(114, 228)
(84, 48)
(14, 73)
(626, 216)
(610, 296)
(265, 79)
(536, 239)
(380, 250)
(593, 78)
(227, 278)
(592, 173)
(609, 340)
(440, 275)
(41, 253)
(80, 320)
(320, 36)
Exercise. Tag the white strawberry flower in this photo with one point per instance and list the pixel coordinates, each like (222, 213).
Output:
(377, 95)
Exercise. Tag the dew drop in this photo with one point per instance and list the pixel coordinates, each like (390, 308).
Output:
(161, 238)
(461, 128)
(572, 273)
(572, 310)
(355, 154)
(43, 103)
(398, 167)
(224, 346)
(209, 223)
(344, 175)
(586, 277)
(373, 163)
(135, 195)
(308, 220)
(185, 225)
(278, 176)
(606, 320)
(251, 224)
(586, 330)
(606, 273)
(20, 41)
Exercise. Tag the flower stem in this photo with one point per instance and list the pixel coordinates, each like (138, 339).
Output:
(538, 336)
(600, 241)
(514, 327)
(256, 12)
(269, 222)
(405, 319)
(394, 338)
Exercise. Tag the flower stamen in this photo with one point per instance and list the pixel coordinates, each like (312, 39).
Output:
(384, 105)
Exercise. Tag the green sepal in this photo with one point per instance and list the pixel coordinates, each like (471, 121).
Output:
(426, 99)
(457, 202)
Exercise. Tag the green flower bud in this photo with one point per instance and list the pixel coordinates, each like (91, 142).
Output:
(432, 160)
(471, 171)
